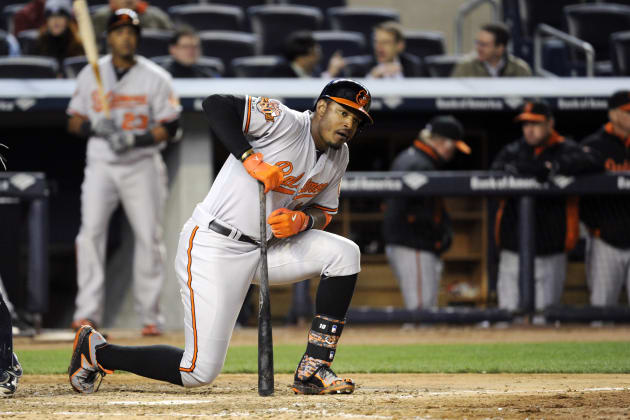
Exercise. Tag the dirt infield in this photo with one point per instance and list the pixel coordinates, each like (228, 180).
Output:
(379, 396)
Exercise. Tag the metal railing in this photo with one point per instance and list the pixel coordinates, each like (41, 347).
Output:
(543, 31)
(466, 9)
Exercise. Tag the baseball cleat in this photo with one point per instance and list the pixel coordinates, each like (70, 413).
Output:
(84, 368)
(151, 330)
(9, 378)
(76, 325)
(323, 381)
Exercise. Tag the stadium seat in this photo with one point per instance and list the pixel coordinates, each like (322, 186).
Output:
(228, 45)
(440, 65)
(357, 66)
(205, 17)
(620, 53)
(4, 43)
(360, 19)
(322, 5)
(28, 67)
(73, 65)
(424, 43)
(240, 3)
(214, 65)
(154, 42)
(7, 15)
(257, 66)
(594, 23)
(165, 4)
(273, 23)
(28, 41)
(349, 43)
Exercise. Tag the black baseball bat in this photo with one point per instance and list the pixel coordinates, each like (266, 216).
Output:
(265, 342)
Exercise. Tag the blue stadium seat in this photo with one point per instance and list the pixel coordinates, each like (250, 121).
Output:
(257, 66)
(594, 23)
(28, 67)
(322, 5)
(8, 11)
(349, 43)
(154, 42)
(73, 65)
(620, 53)
(441, 65)
(273, 23)
(214, 65)
(357, 66)
(4, 43)
(205, 17)
(424, 43)
(228, 45)
(28, 41)
(240, 3)
(360, 19)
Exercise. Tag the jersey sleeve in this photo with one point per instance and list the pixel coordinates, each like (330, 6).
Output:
(80, 101)
(165, 104)
(266, 120)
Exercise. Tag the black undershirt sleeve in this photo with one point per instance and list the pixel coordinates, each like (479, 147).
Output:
(225, 115)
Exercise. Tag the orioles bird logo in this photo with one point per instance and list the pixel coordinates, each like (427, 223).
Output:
(362, 98)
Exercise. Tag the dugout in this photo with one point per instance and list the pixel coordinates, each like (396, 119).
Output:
(33, 124)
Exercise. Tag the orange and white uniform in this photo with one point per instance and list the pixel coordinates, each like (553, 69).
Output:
(215, 270)
(140, 99)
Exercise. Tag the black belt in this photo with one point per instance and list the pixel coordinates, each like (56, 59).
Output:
(225, 231)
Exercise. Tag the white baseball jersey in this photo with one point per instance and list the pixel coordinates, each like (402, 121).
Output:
(140, 100)
(284, 138)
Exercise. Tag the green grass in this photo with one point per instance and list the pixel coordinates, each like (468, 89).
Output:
(598, 357)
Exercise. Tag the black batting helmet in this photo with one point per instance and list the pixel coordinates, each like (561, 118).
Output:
(350, 94)
(123, 17)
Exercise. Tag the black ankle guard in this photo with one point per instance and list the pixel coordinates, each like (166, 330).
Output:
(322, 345)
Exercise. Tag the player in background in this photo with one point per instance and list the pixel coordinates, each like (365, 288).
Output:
(543, 153)
(301, 158)
(608, 217)
(417, 229)
(123, 165)
(10, 369)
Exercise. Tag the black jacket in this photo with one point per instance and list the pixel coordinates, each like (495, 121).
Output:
(417, 222)
(608, 217)
(557, 218)
(179, 71)
(411, 66)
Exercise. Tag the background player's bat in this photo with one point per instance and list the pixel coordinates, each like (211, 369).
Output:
(86, 32)
(265, 343)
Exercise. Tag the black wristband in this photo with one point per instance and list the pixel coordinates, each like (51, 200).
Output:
(144, 140)
(86, 129)
(310, 223)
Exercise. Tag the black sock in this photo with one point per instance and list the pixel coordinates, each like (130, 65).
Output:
(155, 362)
(6, 336)
(334, 295)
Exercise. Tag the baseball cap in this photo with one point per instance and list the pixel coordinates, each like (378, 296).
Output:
(448, 126)
(534, 111)
(620, 99)
(58, 7)
(123, 17)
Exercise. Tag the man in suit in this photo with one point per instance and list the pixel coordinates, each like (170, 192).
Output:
(390, 59)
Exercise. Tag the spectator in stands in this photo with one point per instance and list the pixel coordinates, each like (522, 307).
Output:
(492, 58)
(185, 50)
(608, 218)
(390, 59)
(541, 152)
(418, 229)
(31, 16)
(303, 55)
(150, 16)
(58, 38)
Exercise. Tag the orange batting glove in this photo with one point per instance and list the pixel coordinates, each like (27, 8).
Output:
(270, 175)
(285, 222)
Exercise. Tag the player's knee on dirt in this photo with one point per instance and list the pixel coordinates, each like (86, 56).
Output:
(203, 374)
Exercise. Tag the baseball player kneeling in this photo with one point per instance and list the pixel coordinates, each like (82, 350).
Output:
(300, 157)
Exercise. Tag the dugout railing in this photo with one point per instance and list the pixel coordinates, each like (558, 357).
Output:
(32, 188)
(380, 185)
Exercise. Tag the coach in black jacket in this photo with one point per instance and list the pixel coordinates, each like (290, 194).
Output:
(541, 152)
(417, 229)
(608, 217)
